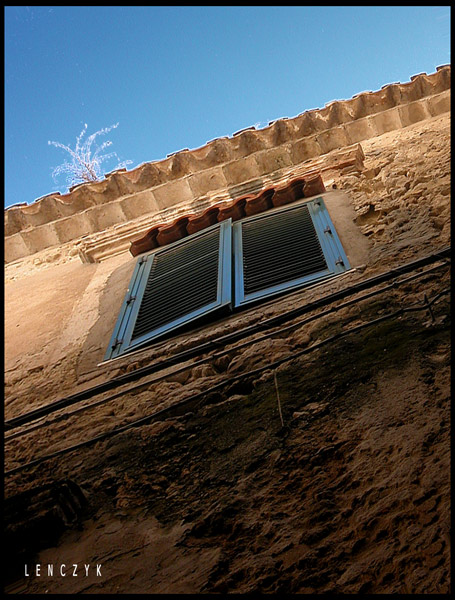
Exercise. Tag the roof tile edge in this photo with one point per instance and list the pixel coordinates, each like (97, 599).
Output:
(222, 150)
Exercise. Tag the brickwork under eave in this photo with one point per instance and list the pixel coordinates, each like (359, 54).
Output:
(222, 165)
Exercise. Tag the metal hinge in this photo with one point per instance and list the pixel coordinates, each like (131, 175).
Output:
(339, 261)
(327, 230)
(116, 343)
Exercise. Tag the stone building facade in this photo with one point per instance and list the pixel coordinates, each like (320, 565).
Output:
(297, 445)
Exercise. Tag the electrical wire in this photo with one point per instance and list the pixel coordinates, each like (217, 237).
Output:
(225, 352)
(222, 340)
(252, 373)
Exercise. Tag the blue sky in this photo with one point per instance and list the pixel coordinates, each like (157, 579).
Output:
(177, 77)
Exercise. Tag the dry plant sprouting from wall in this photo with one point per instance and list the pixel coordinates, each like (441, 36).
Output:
(86, 158)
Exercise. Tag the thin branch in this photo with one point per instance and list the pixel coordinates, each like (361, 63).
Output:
(85, 166)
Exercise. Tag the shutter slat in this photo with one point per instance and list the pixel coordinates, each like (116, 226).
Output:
(177, 258)
(176, 285)
(290, 272)
(193, 275)
(187, 290)
(280, 248)
(176, 303)
(302, 252)
(182, 279)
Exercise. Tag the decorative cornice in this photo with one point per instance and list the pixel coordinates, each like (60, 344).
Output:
(129, 235)
(225, 163)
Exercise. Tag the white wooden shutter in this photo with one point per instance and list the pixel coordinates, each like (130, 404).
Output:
(283, 249)
(173, 286)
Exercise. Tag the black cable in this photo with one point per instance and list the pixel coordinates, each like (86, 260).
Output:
(222, 353)
(184, 403)
(222, 340)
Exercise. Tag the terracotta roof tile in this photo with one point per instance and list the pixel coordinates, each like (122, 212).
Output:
(313, 185)
(288, 193)
(198, 222)
(259, 202)
(234, 210)
(251, 204)
(173, 232)
(146, 243)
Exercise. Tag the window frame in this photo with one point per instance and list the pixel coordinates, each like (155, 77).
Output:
(230, 282)
(121, 341)
(334, 254)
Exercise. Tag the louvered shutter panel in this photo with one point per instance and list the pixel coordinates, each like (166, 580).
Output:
(283, 249)
(174, 286)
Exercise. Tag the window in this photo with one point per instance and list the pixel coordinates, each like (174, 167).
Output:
(284, 249)
(173, 286)
(265, 255)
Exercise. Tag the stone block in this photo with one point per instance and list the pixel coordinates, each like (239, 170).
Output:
(331, 139)
(15, 247)
(41, 237)
(73, 227)
(214, 153)
(304, 149)
(143, 177)
(172, 193)
(308, 123)
(208, 180)
(413, 112)
(438, 104)
(178, 165)
(98, 192)
(240, 170)
(279, 132)
(73, 203)
(359, 130)
(247, 142)
(336, 113)
(13, 221)
(269, 161)
(442, 78)
(359, 106)
(106, 215)
(388, 120)
(40, 212)
(141, 203)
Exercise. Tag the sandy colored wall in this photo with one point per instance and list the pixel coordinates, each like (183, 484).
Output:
(351, 495)
(74, 306)
(59, 315)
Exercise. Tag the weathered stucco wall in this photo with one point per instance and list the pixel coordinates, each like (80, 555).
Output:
(60, 312)
(222, 166)
(351, 495)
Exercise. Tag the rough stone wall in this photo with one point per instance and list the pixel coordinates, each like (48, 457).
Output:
(58, 333)
(352, 496)
(222, 165)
